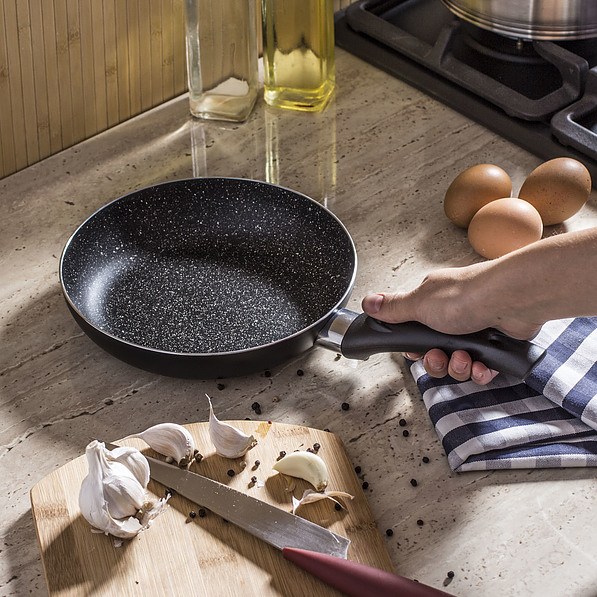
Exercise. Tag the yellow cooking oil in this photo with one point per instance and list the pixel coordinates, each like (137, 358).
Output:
(298, 53)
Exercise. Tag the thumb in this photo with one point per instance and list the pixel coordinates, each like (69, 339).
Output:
(391, 308)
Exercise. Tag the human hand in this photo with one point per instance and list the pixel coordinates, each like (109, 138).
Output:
(454, 302)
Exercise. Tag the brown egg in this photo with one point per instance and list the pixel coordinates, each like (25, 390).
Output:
(557, 188)
(472, 189)
(503, 226)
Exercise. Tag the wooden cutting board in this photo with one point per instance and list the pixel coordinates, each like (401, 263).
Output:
(207, 556)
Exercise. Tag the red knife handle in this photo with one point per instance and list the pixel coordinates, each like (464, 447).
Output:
(357, 580)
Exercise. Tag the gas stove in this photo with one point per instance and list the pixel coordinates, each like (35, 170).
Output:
(541, 95)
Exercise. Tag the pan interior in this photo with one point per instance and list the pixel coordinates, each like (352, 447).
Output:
(208, 266)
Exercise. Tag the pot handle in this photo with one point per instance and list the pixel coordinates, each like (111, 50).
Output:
(366, 336)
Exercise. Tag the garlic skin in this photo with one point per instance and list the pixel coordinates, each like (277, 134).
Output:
(310, 496)
(304, 465)
(111, 497)
(228, 441)
(170, 439)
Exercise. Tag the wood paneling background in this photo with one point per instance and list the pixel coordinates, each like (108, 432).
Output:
(70, 69)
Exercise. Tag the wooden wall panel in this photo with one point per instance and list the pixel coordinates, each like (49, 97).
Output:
(70, 69)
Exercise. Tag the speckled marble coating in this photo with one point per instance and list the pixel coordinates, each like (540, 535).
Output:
(208, 266)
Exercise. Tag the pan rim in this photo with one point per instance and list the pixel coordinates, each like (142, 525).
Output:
(245, 351)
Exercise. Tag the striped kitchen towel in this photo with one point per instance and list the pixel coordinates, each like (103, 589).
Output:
(549, 420)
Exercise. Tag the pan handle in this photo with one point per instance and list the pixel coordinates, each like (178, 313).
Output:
(364, 336)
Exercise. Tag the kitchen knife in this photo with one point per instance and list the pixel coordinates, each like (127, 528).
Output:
(313, 548)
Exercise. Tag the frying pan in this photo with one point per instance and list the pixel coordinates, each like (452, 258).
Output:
(222, 277)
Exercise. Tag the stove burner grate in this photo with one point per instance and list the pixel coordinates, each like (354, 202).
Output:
(539, 94)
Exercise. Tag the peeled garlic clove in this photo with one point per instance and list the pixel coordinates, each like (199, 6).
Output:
(304, 465)
(228, 441)
(310, 496)
(170, 439)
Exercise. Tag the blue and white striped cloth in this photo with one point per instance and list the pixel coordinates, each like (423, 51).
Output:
(548, 421)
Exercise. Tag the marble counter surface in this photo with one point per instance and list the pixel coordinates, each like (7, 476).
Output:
(381, 158)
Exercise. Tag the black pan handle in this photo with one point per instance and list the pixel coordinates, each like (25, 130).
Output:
(366, 336)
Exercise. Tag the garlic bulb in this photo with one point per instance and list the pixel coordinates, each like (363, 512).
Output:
(170, 439)
(113, 496)
(304, 465)
(228, 441)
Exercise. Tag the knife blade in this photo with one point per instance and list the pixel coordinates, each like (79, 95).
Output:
(266, 522)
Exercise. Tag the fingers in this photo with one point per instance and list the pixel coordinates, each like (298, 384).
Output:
(392, 308)
(459, 366)
(435, 362)
(372, 304)
(481, 374)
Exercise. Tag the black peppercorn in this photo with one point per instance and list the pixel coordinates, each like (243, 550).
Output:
(337, 506)
(316, 447)
(281, 455)
(357, 470)
(345, 406)
(192, 514)
(420, 522)
(425, 459)
(365, 485)
(300, 372)
(255, 406)
(253, 479)
(450, 574)
(202, 512)
(267, 373)
(413, 482)
(389, 532)
(256, 465)
(198, 457)
(221, 386)
(230, 473)
(405, 433)
(402, 422)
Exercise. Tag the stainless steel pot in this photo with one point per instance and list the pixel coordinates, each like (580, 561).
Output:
(531, 19)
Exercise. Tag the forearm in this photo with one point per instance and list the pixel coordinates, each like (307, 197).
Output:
(551, 279)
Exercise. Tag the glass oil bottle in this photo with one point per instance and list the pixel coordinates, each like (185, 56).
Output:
(222, 66)
(298, 53)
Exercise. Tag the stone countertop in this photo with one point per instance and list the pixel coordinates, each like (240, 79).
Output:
(380, 157)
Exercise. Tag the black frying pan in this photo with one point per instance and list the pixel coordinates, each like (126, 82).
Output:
(220, 277)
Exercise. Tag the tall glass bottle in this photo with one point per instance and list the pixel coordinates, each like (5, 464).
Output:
(221, 58)
(298, 53)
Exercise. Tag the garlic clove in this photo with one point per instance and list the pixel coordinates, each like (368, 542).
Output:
(133, 460)
(111, 496)
(310, 496)
(170, 439)
(228, 441)
(304, 465)
(124, 494)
